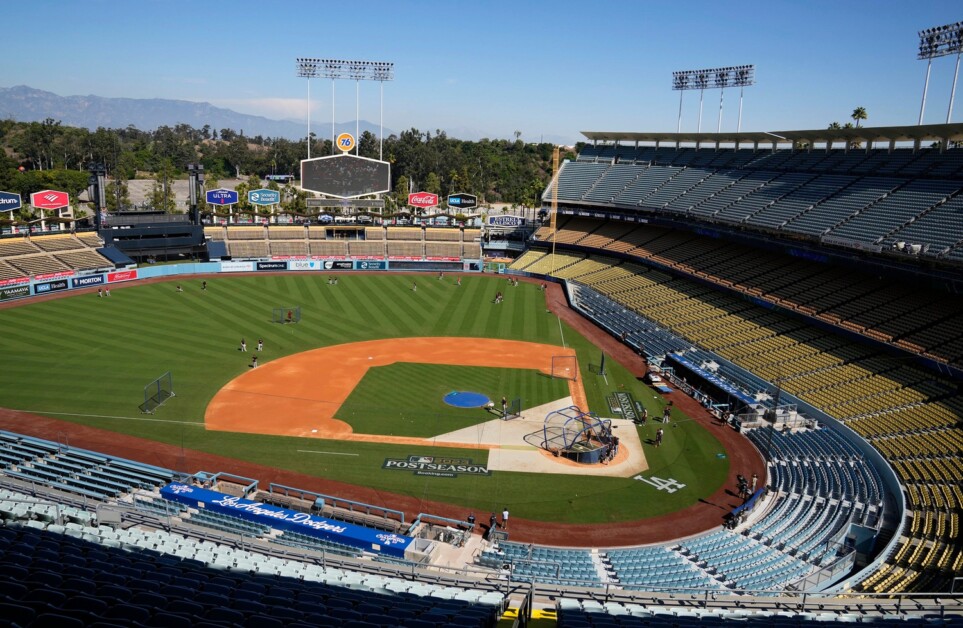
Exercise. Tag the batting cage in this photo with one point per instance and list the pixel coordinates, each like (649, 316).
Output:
(289, 314)
(580, 436)
(157, 392)
(565, 367)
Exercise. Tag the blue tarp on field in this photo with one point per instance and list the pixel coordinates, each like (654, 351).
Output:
(367, 539)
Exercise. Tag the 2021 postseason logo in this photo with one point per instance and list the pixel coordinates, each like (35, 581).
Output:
(436, 466)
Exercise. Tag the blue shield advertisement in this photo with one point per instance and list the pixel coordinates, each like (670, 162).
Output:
(264, 197)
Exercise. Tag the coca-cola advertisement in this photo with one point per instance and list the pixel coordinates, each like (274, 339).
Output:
(422, 199)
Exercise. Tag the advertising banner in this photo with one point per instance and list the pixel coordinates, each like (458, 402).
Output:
(56, 275)
(89, 280)
(264, 197)
(10, 201)
(221, 196)
(339, 265)
(272, 265)
(367, 539)
(15, 281)
(50, 286)
(506, 221)
(364, 265)
(123, 275)
(49, 199)
(304, 264)
(237, 267)
(422, 199)
(13, 292)
(462, 201)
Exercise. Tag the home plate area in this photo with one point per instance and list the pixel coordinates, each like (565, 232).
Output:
(516, 445)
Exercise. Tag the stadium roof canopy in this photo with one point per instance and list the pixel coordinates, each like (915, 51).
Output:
(915, 134)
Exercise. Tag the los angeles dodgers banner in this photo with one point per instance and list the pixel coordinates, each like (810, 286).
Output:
(283, 519)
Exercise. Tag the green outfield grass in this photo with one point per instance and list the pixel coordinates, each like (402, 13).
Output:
(86, 359)
(408, 399)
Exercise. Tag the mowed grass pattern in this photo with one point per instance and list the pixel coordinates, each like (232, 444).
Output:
(408, 399)
(86, 359)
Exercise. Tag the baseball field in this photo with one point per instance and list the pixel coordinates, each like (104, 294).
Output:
(357, 382)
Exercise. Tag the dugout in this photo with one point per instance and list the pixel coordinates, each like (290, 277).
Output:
(708, 383)
(579, 436)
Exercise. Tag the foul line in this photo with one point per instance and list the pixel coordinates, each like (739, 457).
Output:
(107, 416)
(332, 453)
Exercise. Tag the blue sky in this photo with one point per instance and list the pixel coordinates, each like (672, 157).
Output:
(489, 68)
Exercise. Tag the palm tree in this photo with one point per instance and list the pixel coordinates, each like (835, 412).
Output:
(834, 126)
(859, 113)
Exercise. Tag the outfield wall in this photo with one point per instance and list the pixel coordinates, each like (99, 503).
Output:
(39, 285)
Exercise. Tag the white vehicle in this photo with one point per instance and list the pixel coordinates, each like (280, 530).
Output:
(653, 378)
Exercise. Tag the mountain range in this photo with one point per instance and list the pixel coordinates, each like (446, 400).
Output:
(26, 104)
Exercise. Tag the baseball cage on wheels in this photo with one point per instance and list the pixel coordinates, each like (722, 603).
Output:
(576, 435)
(288, 314)
(565, 367)
(157, 392)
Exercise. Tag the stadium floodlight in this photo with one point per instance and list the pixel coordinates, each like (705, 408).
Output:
(334, 69)
(740, 76)
(940, 41)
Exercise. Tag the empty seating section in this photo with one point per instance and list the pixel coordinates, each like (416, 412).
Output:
(938, 229)
(10, 272)
(574, 182)
(37, 264)
(574, 230)
(24, 257)
(91, 239)
(913, 199)
(242, 248)
(329, 248)
(17, 246)
(405, 249)
(442, 235)
(245, 233)
(84, 259)
(74, 471)
(366, 248)
(914, 318)
(657, 567)
(374, 233)
(404, 233)
(61, 242)
(443, 249)
(74, 574)
(855, 196)
(848, 200)
(744, 563)
(286, 233)
(612, 183)
(288, 248)
(910, 415)
(545, 564)
(216, 234)
(648, 182)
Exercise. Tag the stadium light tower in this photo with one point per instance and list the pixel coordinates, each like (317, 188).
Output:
(308, 68)
(740, 76)
(940, 42)
(357, 71)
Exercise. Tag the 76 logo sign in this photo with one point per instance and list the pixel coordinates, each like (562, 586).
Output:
(345, 142)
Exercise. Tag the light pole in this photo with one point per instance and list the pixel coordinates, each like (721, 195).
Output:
(335, 69)
(940, 41)
(740, 76)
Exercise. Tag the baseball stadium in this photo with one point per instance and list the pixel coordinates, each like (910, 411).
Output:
(718, 378)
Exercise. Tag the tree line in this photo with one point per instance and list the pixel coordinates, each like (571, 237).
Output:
(47, 154)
